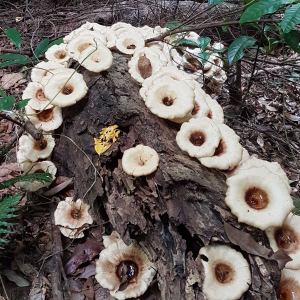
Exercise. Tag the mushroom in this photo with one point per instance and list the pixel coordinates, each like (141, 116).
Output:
(169, 98)
(34, 150)
(287, 237)
(34, 92)
(96, 60)
(38, 167)
(228, 153)
(115, 27)
(47, 120)
(72, 217)
(199, 137)
(108, 34)
(57, 53)
(289, 285)
(75, 32)
(139, 161)
(65, 88)
(122, 266)
(216, 111)
(227, 273)
(95, 34)
(110, 239)
(22, 160)
(129, 42)
(258, 198)
(44, 68)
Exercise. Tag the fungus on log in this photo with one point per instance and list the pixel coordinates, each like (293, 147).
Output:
(174, 211)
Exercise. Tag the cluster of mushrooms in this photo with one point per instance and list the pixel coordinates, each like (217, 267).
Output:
(258, 191)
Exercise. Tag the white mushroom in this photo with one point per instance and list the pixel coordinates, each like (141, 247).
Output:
(75, 32)
(129, 42)
(57, 53)
(289, 285)
(34, 150)
(139, 161)
(44, 68)
(110, 239)
(216, 111)
(97, 35)
(23, 161)
(227, 273)
(72, 217)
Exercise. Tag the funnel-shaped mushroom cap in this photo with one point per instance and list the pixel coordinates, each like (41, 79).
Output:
(199, 137)
(218, 46)
(289, 285)
(75, 32)
(129, 42)
(47, 120)
(119, 262)
(120, 25)
(139, 161)
(72, 217)
(258, 198)
(216, 111)
(169, 98)
(34, 150)
(34, 92)
(38, 167)
(80, 43)
(95, 34)
(228, 153)
(64, 90)
(44, 68)
(96, 60)
(227, 273)
(57, 53)
(273, 167)
(287, 237)
(108, 34)
(23, 161)
(110, 239)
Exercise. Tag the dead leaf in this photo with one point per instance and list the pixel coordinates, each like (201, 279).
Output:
(245, 241)
(58, 188)
(88, 288)
(260, 141)
(282, 258)
(107, 137)
(8, 169)
(89, 271)
(83, 253)
(9, 80)
(292, 117)
(13, 276)
(144, 66)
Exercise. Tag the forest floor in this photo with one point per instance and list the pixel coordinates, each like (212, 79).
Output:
(268, 127)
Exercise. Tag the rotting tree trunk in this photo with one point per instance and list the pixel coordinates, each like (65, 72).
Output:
(174, 212)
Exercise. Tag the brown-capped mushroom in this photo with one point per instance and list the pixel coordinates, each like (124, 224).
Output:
(289, 285)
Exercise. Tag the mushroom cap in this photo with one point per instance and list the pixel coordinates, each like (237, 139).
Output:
(72, 217)
(199, 137)
(140, 160)
(169, 98)
(227, 273)
(23, 161)
(94, 34)
(229, 152)
(108, 269)
(43, 68)
(110, 239)
(80, 43)
(129, 42)
(289, 285)
(218, 46)
(38, 167)
(258, 198)
(287, 237)
(109, 35)
(34, 150)
(47, 120)
(216, 111)
(64, 90)
(34, 92)
(273, 167)
(75, 32)
(96, 60)
(119, 25)
(57, 53)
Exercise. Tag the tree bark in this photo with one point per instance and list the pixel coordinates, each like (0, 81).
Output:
(173, 212)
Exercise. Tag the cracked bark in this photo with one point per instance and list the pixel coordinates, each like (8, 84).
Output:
(173, 212)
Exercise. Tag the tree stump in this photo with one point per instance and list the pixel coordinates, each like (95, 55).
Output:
(175, 211)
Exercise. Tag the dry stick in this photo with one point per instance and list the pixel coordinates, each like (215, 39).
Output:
(10, 144)
(163, 35)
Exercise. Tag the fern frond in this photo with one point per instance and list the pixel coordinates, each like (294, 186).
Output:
(41, 177)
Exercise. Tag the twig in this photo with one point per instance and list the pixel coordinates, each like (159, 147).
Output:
(3, 116)
(35, 133)
(10, 144)
(3, 287)
(5, 50)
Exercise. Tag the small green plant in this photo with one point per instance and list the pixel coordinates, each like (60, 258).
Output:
(7, 204)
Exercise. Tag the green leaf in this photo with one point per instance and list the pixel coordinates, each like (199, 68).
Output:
(291, 18)
(7, 102)
(41, 47)
(12, 56)
(259, 9)
(235, 50)
(214, 2)
(292, 39)
(225, 27)
(1, 93)
(185, 42)
(22, 103)
(14, 35)
(56, 42)
(297, 206)
(204, 56)
(203, 42)
(172, 24)
(21, 62)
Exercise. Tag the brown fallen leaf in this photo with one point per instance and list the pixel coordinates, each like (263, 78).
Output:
(9, 80)
(58, 188)
(9, 169)
(144, 66)
(83, 253)
(88, 288)
(281, 257)
(245, 241)
(292, 117)
(89, 271)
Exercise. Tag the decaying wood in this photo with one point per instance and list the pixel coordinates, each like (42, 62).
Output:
(173, 212)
